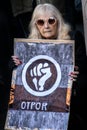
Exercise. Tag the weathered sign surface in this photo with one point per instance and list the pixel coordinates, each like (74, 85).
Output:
(42, 86)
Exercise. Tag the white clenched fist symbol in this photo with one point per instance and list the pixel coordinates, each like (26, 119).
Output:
(40, 74)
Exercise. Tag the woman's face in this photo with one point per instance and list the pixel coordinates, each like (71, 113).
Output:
(47, 26)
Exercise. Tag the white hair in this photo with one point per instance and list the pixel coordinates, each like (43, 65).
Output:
(63, 28)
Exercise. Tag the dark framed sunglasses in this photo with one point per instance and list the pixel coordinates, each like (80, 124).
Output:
(41, 22)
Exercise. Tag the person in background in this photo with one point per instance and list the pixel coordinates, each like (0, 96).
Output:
(78, 105)
(22, 12)
(6, 49)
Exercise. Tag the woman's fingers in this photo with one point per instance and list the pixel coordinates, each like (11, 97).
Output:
(16, 60)
(74, 75)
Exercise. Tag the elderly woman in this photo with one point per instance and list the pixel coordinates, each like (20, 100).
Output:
(48, 23)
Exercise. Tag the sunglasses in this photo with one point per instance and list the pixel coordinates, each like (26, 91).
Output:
(41, 22)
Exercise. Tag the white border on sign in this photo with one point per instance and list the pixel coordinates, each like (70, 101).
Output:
(56, 84)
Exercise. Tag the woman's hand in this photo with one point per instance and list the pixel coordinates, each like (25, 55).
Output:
(74, 74)
(16, 60)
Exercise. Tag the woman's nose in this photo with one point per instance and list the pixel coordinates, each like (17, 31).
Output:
(46, 24)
